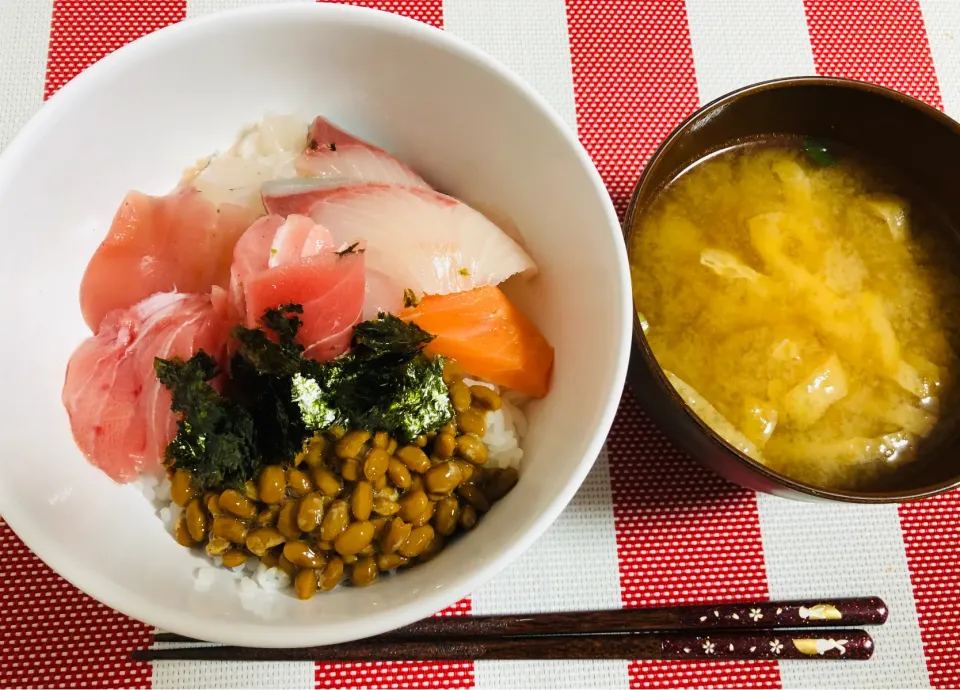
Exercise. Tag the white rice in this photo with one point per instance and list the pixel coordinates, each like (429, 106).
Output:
(256, 583)
(505, 428)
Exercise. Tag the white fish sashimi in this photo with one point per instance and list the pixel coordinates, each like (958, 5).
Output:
(267, 151)
(382, 295)
(420, 239)
(333, 153)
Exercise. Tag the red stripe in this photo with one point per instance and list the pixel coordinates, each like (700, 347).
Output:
(885, 41)
(52, 634)
(931, 535)
(633, 79)
(683, 535)
(82, 32)
(882, 41)
(401, 674)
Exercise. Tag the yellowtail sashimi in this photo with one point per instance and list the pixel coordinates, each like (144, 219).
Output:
(332, 153)
(419, 239)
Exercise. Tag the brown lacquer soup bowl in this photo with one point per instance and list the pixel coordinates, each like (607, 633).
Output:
(917, 141)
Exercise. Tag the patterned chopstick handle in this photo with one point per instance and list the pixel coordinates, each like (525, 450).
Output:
(817, 613)
(775, 644)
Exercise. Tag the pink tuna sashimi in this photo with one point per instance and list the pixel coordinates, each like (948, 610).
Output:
(293, 260)
(330, 286)
(178, 242)
(298, 238)
(251, 255)
(270, 242)
(333, 153)
(119, 412)
(419, 239)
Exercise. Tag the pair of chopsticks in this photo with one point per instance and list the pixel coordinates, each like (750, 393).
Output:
(723, 632)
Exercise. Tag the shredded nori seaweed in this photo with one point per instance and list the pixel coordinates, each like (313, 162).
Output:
(216, 437)
(276, 398)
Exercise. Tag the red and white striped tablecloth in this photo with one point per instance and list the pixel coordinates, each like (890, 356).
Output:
(648, 527)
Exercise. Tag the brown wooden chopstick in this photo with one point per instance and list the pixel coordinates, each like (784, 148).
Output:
(756, 615)
(720, 646)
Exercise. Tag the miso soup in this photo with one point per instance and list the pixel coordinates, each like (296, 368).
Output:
(798, 301)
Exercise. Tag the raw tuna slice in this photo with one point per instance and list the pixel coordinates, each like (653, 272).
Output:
(119, 412)
(298, 238)
(250, 256)
(419, 239)
(332, 153)
(293, 260)
(331, 289)
(179, 242)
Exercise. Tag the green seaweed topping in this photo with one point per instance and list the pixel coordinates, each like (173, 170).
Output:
(818, 152)
(216, 437)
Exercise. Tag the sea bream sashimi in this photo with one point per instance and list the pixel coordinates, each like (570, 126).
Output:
(119, 411)
(294, 260)
(420, 239)
(332, 153)
(178, 242)
(267, 151)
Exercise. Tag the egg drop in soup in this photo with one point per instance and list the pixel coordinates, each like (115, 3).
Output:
(798, 302)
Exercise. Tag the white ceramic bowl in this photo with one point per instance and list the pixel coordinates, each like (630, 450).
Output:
(135, 120)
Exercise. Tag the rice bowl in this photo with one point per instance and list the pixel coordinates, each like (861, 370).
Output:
(61, 512)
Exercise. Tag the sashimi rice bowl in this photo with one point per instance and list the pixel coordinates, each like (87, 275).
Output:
(303, 355)
(335, 357)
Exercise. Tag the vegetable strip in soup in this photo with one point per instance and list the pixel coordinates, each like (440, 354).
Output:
(794, 300)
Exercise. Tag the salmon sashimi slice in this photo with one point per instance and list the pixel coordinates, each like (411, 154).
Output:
(420, 239)
(333, 153)
(119, 412)
(178, 242)
(329, 286)
(488, 336)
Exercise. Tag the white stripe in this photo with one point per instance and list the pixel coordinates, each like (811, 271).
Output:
(572, 567)
(233, 674)
(24, 40)
(198, 8)
(743, 42)
(942, 19)
(812, 549)
(529, 37)
(815, 550)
